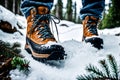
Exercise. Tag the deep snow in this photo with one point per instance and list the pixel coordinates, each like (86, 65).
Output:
(79, 53)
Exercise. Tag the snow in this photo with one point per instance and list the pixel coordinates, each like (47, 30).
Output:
(8, 16)
(80, 54)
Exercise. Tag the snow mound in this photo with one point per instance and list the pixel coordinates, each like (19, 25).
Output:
(8, 16)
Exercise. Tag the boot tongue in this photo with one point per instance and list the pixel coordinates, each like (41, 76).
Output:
(43, 10)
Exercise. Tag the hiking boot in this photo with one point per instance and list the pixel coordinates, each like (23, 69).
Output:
(90, 33)
(40, 41)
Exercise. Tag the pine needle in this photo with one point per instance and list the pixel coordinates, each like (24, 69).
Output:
(95, 70)
(114, 66)
(105, 67)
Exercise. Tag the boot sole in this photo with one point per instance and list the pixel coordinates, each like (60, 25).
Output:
(54, 55)
(96, 42)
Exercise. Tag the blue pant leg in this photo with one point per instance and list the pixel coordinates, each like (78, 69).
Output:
(92, 8)
(27, 5)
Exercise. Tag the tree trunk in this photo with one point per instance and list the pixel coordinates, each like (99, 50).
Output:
(13, 7)
(6, 3)
(69, 10)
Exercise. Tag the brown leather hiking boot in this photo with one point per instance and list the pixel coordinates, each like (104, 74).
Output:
(90, 33)
(39, 39)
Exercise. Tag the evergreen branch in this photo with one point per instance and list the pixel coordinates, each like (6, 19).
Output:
(21, 64)
(105, 67)
(5, 49)
(86, 77)
(95, 70)
(96, 74)
(114, 66)
(9, 52)
(81, 77)
(16, 44)
(92, 77)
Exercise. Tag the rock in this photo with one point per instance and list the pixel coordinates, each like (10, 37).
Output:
(6, 27)
(118, 34)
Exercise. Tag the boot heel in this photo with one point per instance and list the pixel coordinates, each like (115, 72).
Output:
(27, 48)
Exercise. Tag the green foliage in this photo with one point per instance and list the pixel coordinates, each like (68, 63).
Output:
(112, 19)
(20, 63)
(95, 70)
(105, 67)
(108, 72)
(9, 50)
(113, 66)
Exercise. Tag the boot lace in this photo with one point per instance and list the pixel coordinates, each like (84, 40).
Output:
(92, 26)
(43, 27)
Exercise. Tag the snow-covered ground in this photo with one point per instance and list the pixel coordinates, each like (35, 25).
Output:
(79, 53)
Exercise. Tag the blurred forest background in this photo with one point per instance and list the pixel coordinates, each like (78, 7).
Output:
(111, 14)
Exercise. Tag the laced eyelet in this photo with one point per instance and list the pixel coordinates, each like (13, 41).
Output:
(41, 24)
